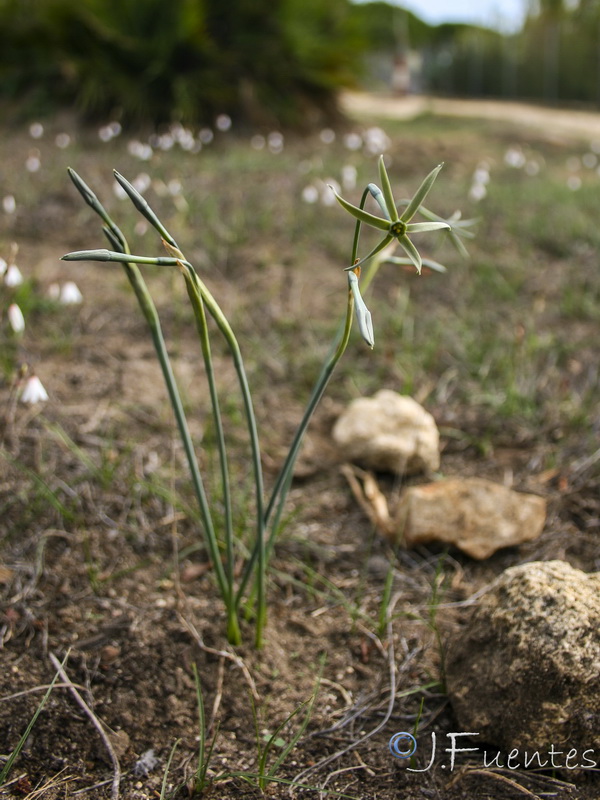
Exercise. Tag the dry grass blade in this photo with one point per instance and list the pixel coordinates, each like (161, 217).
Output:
(95, 722)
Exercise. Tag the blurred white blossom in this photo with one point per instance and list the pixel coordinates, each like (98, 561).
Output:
(223, 122)
(310, 194)
(16, 318)
(349, 176)
(13, 276)
(36, 130)
(33, 391)
(9, 204)
(275, 142)
(514, 157)
(353, 141)
(70, 294)
(63, 140)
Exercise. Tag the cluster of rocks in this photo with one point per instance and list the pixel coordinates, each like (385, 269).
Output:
(393, 433)
(523, 674)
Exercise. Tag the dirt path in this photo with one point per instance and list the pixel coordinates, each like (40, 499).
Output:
(555, 123)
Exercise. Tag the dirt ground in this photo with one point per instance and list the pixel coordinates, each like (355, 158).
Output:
(101, 561)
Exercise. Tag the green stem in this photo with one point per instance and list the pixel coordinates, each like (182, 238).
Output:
(259, 546)
(200, 315)
(150, 313)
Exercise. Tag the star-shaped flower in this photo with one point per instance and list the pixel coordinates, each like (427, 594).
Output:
(394, 225)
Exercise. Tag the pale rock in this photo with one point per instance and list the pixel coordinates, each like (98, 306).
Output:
(388, 433)
(525, 671)
(476, 515)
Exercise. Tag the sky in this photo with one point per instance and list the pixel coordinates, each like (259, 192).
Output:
(504, 15)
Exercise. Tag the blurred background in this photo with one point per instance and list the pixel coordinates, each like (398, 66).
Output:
(284, 61)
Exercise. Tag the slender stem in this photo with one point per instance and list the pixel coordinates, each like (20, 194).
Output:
(259, 546)
(122, 252)
(149, 310)
(200, 315)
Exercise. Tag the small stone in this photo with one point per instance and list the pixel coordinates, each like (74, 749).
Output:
(476, 515)
(525, 672)
(388, 433)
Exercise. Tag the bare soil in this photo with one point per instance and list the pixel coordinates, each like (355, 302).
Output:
(100, 564)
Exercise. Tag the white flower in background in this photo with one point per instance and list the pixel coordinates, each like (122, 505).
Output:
(353, 141)
(349, 176)
(33, 162)
(480, 180)
(376, 141)
(54, 291)
(574, 182)
(15, 318)
(142, 182)
(174, 187)
(141, 227)
(63, 140)
(9, 204)
(70, 294)
(514, 157)
(164, 142)
(13, 276)
(36, 130)
(33, 391)
(482, 173)
(532, 167)
(142, 151)
(327, 196)
(223, 122)
(310, 194)
(206, 136)
(590, 160)
(327, 136)
(275, 142)
(258, 142)
(477, 192)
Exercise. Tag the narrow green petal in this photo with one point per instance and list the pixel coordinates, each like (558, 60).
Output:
(363, 216)
(420, 194)
(377, 249)
(363, 315)
(387, 191)
(422, 227)
(426, 262)
(411, 252)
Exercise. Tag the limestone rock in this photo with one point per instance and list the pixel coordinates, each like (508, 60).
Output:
(476, 515)
(525, 673)
(388, 433)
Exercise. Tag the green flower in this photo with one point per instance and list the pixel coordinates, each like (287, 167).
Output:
(394, 225)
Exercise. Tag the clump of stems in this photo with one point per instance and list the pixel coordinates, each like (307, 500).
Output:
(268, 507)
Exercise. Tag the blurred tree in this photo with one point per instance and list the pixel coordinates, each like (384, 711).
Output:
(269, 60)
